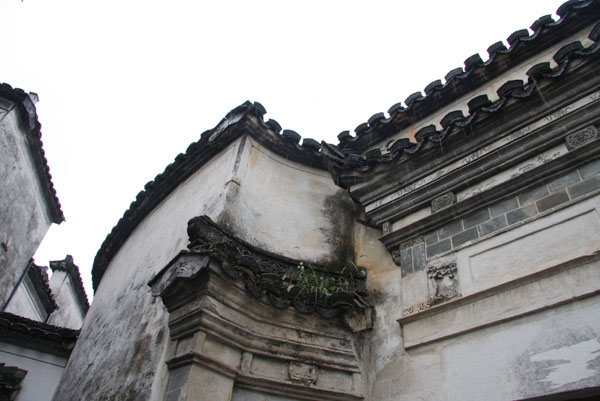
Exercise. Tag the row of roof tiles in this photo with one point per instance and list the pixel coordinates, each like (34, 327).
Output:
(521, 43)
(29, 119)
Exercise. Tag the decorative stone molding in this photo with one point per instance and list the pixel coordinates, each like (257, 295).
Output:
(443, 201)
(442, 282)
(359, 320)
(386, 228)
(583, 137)
(276, 277)
(303, 372)
(223, 338)
(11, 378)
(410, 243)
(420, 307)
(396, 257)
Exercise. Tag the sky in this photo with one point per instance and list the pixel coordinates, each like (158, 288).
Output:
(125, 86)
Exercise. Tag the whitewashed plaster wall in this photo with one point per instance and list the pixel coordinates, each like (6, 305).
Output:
(289, 209)
(25, 302)
(24, 217)
(43, 371)
(271, 203)
(540, 335)
(69, 314)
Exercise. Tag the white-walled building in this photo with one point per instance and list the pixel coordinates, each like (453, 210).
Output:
(449, 250)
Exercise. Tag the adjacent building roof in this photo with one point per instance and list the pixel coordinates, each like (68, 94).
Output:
(39, 279)
(36, 335)
(29, 121)
(67, 265)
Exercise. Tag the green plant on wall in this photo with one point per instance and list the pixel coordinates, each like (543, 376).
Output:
(308, 280)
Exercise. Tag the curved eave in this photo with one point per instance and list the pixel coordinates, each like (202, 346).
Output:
(30, 123)
(246, 119)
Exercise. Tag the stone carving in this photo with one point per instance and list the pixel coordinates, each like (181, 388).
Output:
(303, 372)
(266, 274)
(417, 308)
(396, 256)
(386, 228)
(443, 201)
(442, 282)
(583, 137)
(411, 243)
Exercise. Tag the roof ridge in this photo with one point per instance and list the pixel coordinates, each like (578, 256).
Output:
(343, 158)
(29, 119)
(476, 73)
(67, 265)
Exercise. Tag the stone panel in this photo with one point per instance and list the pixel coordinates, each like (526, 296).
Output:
(559, 238)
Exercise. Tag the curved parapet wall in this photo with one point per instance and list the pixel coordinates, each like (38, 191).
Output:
(261, 186)
(245, 119)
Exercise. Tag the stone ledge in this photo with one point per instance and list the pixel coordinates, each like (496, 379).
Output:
(570, 160)
(543, 290)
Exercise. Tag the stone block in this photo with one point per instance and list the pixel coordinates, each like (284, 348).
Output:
(520, 214)
(418, 255)
(443, 201)
(431, 238)
(464, 237)
(406, 262)
(476, 218)
(450, 229)
(582, 137)
(564, 181)
(584, 187)
(533, 195)
(590, 169)
(438, 248)
(492, 225)
(504, 207)
(551, 201)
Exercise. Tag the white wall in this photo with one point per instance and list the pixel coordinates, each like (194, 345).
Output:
(69, 314)
(43, 371)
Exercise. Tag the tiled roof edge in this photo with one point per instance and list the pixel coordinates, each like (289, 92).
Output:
(307, 151)
(574, 15)
(67, 265)
(28, 116)
(39, 278)
(37, 335)
(346, 160)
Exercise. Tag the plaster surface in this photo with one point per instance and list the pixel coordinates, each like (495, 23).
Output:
(274, 204)
(69, 314)
(24, 218)
(43, 371)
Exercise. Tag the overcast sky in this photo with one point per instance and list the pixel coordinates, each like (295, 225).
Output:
(125, 86)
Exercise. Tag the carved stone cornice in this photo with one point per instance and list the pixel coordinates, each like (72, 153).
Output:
(222, 329)
(550, 169)
(280, 279)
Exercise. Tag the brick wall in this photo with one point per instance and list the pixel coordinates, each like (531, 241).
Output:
(500, 216)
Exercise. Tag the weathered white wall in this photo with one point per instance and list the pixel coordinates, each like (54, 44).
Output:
(26, 303)
(289, 209)
(24, 218)
(69, 313)
(538, 336)
(274, 204)
(552, 351)
(119, 354)
(43, 371)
